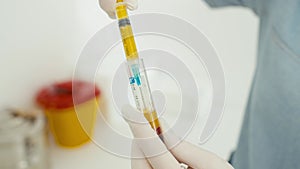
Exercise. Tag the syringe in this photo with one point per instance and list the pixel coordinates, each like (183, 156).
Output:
(136, 71)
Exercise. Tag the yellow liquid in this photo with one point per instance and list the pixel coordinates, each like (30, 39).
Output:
(131, 54)
(127, 34)
(153, 121)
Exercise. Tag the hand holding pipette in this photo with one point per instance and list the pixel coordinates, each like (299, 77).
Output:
(171, 153)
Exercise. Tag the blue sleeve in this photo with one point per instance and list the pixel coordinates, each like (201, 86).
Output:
(222, 3)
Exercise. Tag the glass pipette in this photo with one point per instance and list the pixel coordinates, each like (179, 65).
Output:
(136, 71)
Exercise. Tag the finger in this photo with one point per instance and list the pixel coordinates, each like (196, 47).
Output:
(153, 148)
(131, 4)
(150, 144)
(112, 15)
(191, 154)
(188, 153)
(138, 160)
(164, 161)
(130, 114)
(201, 158)
(109, 7)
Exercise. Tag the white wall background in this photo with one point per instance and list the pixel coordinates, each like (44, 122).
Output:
(40, 41)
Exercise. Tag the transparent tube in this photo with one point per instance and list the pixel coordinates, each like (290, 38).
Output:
(141, 92)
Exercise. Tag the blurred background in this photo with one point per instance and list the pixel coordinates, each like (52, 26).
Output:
(40, 42)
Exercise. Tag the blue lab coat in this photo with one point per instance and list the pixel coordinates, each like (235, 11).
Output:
(270, 136)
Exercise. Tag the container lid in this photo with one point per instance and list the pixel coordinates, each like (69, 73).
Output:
(66, 94)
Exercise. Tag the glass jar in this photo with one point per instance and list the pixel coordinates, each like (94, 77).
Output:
(22, 141)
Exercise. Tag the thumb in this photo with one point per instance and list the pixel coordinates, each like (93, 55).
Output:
(132, 115)
(138, 124)
(144, 135)
(147, 141)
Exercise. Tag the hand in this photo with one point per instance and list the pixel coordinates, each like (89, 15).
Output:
(109, 6)
(161, 155)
